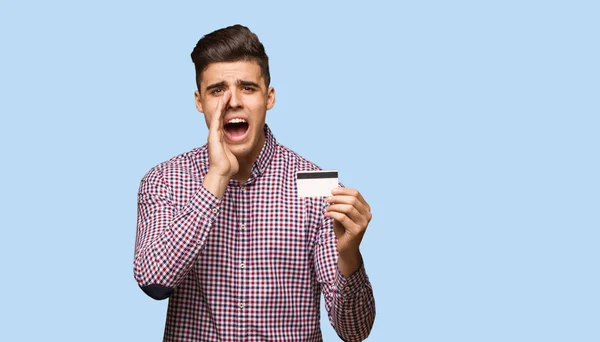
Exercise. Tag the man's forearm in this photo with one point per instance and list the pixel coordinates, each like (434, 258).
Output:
(354, 306)
(167, 244)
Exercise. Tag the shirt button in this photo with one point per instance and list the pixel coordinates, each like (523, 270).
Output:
(214, 210)
(241, 305)
(347, 288)
(242, 265)
(243, 227)
(243, 188)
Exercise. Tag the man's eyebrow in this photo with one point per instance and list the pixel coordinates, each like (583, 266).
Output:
(216, 85)
(248, 83)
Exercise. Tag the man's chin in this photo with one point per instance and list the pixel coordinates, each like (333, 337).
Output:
(239, 150)
(244, 149)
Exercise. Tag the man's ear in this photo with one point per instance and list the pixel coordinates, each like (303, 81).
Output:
(270, 98)
(198, 102)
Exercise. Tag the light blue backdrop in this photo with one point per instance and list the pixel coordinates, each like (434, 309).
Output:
(471, 127)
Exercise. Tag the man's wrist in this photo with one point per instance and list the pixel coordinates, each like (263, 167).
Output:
(215, 183)
(349, 262)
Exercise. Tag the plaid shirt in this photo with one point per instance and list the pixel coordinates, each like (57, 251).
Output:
(250, 266)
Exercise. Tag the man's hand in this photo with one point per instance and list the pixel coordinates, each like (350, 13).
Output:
(351, 215)
(223, 164)
(222, 161)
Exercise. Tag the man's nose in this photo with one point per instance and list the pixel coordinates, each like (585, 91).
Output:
(236, 99)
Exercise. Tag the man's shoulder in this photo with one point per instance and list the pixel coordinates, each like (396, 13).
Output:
(295, 160)
(187, 163)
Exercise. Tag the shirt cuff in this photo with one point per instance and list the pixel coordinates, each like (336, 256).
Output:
(206, 203)
(353, 284)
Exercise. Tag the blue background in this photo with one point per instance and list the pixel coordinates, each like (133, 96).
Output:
(470, 127)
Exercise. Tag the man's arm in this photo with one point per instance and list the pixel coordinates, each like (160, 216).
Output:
(168, 241)
(349, 298)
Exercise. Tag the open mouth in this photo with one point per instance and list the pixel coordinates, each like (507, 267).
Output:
(236, 129)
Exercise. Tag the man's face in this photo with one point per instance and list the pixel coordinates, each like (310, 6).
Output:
(250, 100)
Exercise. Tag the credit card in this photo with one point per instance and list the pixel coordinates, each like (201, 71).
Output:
(316, 183)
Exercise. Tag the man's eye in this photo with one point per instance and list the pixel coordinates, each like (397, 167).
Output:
(249, 89)
(216, 91)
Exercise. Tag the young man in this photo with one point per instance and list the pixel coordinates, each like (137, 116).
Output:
(221, 230)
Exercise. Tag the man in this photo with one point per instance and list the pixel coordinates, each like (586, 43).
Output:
(221, 230)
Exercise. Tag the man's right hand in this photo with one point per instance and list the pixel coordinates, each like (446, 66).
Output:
(223, 164)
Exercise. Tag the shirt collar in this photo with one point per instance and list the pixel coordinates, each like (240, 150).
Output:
(266, 154)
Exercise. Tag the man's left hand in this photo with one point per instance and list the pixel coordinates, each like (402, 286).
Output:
(351, 215)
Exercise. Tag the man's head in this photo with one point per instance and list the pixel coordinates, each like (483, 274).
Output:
(233, 60)
(230, 44)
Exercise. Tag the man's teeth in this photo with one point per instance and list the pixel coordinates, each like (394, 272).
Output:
(236, 120)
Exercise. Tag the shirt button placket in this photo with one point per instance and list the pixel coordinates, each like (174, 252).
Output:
(242, 240)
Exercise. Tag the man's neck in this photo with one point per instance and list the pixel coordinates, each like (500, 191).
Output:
(246, 164)
(242, 178)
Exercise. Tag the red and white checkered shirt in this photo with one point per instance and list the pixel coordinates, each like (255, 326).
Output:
(250, 266)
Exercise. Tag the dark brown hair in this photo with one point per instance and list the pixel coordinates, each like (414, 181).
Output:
(230, 44)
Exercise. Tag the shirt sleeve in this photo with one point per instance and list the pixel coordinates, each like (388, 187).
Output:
(349, 301)
(168, 239)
